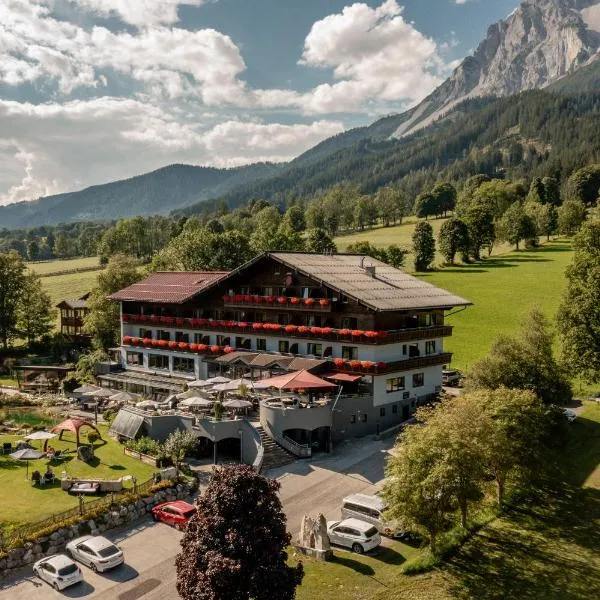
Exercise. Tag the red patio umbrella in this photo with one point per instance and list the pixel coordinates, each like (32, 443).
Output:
(298, 380)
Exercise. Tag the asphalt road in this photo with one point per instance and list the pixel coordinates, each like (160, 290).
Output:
(311, 486)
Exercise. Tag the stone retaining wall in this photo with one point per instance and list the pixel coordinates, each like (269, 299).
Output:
(120, 514)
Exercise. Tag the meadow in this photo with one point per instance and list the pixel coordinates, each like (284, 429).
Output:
(59, 266)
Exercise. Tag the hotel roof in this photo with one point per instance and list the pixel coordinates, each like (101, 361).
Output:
(169, 288)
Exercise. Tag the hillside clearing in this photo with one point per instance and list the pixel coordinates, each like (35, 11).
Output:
(60, 266)
(503, 290)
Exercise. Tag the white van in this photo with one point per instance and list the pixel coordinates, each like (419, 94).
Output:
(366, 508)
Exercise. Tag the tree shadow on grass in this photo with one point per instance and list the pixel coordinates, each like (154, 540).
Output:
(389, 556)
(355, 565)
(9, 464)
(547, 547)
(117, 467)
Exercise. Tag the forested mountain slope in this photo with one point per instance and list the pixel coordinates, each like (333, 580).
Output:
(536, 133)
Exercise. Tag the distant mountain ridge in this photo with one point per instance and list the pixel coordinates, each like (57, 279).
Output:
(551, 44)
(158, 192)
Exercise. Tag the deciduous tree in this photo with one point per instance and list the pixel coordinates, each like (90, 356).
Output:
(179, 443)
(12, 280)
(319, 241)
(480, 223)
(423, 246)
(452, 238)
(35, 314)
(571, 216)
(235, 546)
(579, 313)
(515, 225)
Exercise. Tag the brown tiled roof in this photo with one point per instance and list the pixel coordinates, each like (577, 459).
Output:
(246, 357)
(372, 282)
(72, 304)
(305, 364)
(266, 360)
(169, 288)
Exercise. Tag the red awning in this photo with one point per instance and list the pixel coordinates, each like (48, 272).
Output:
(299, 380)
(336, 376)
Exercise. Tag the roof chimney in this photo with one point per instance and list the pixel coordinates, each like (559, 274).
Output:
(370, 270)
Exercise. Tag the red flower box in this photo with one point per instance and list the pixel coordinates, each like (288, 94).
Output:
(355, 364)
(125, 319)
(282, 300)
(215, 349)
(382, 334)
(228, 349)
(202, 348)
(226, 298)
(180, 322)
(126, 340)
(324, 302)
(371, 334)
(147, 341)
(163, 344)
(135, 341)
(258, 299)
(276, 327)
(173, 345)
(213, 323)
(242, 324)
(156, 343)
(357, 333)
(316, 330)
(248, 298)
(295, 300)
(269, 299)
(194, 347)
(338, 362)
(367, 364)
(345, 332)
(201, 322)
(309, 301)
(326, 330)
(303, 329)
(381, 365)
(154, 319)
(291, 328)
(257, 326)
(183, 346)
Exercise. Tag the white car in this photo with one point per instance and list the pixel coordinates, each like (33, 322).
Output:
(569, 414)
(451, 377)
(96, 552)
(58, 570)
(352, 533)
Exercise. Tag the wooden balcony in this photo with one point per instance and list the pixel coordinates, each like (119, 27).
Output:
(294, 304)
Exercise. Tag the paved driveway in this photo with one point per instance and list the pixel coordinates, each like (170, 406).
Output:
(317, 485)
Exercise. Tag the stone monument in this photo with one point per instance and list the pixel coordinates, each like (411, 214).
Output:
(314, 540)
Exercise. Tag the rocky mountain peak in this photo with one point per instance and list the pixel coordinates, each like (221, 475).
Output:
(537, 44)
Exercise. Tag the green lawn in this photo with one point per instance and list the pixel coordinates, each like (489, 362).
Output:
(20, 502)
(503, 290)
(57, 266)
(545, 548)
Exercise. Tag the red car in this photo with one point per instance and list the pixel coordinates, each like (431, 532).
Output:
(176, 513)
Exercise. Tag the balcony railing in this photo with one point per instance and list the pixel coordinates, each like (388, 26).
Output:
(294, 331)
(279, 302)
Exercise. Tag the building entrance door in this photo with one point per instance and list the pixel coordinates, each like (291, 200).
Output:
(405, 412)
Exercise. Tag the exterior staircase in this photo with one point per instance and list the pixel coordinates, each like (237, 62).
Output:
(275, 455)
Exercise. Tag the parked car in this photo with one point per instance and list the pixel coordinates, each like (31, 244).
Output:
(451, 377)
(176, 513)
(370, 510)
(58, 570)
(352, 533)
(96, 552)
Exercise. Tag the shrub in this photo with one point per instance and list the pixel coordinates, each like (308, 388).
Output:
(146, 445)
(92, 437)
(109, 415)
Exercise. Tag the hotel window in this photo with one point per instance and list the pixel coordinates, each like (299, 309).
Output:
(145, 333)
(245, 291)
(294, 349)
(328, 352)
(135, 358)
(261, 344)
(158, 361)
(404, 349)
(182, 337)
(163, 335)
(283, 319)
(382, 411)
(184, 365)
(349, 352)
(316, 349)
(418, 380)
(268, 291)
(430, 347)
(395, 384)
(245, 343)
(284, 346)
(200, 338)
(349, 323)
(223, 340)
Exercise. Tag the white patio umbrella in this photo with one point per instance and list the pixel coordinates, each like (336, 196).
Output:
(186, 395)
(197, 402)
(218, 380)
(146, 404)
(40, 435)
(85, 388)
(198, 383)
(237, 404)
(124, 397)
(232, 386)
(27, 454)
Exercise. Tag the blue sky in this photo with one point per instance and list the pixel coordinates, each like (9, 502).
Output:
(97, 90)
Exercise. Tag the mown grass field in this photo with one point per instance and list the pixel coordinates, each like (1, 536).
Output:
(503, 290)
(20, 502)
(57, 266)
(546, 547)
